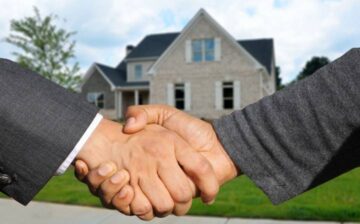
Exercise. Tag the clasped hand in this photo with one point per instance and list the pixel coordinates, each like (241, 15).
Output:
(154, 165)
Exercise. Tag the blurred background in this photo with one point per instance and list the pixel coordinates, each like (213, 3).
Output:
(303, 37)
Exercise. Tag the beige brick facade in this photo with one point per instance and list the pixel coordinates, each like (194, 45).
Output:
(234, 65)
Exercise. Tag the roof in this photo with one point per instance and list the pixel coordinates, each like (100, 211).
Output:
(118, 76)
(261, 50)
(154, 45)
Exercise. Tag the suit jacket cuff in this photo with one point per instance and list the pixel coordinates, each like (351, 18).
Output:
(65, 165)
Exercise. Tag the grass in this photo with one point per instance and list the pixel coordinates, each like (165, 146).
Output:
(338, 200)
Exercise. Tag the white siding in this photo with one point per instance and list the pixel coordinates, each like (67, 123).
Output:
(188, 51)
(218, 95)
(170, 94)
(217, 49)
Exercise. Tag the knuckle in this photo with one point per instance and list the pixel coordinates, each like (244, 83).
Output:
(182, 194)
(165, 207)
(142, 209)
(212, 191)
(146, 217)
(182, 209)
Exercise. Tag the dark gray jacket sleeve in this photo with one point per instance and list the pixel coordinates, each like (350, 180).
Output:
(302, 136)
(40, 123)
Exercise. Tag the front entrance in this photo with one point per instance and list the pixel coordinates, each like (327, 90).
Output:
(131, 97)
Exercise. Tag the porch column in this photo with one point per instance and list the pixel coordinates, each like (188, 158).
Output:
(136, 97)
(118, 104)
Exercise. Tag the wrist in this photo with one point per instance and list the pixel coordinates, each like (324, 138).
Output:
(97, 148)
(224, 167)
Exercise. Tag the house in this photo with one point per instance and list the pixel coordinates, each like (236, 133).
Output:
(202, 70)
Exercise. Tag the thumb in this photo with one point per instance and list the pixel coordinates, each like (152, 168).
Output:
(137, 117)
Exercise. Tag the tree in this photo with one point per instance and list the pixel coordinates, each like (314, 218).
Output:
(312, 66)
(46, 49)
(278, 80)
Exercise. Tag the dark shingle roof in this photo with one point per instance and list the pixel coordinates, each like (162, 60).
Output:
(152, 45)
(118, 76)
(261, 50)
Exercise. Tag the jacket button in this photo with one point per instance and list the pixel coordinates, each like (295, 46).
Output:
(5, 179)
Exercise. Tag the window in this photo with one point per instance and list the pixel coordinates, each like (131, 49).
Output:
(228, 95)
(203, 50)
(138, 72)
(180, 96)
(209, 49)
(96, 98)
(197, 50)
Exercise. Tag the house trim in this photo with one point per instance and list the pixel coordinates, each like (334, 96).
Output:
(141, 59)
(119, 88)
(187, 28)
(90, 72)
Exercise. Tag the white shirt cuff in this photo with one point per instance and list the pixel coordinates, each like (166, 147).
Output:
(65, 165)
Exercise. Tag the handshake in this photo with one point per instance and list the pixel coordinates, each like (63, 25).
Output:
(155, 164)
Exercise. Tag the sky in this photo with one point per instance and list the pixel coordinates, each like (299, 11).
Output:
(301, 29)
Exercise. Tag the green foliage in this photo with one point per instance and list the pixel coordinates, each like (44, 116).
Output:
(278, 80)
(46, 49)
(312, 66)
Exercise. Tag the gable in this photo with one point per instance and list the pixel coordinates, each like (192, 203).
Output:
(154, 46)
(96, 82)
(203, 16)
(93, 70)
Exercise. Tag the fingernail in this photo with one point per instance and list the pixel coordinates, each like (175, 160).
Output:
(210, 202)
(130, 121)
(117, 178)
(122, 194)
(82, 170)
(104, 170)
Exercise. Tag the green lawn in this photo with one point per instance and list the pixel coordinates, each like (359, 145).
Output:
(337, 200)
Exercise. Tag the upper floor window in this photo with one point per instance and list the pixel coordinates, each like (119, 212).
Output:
(209, 49)
(138, 71)
(203, 49)
(228, 95)
(180, 96)
(96, 98)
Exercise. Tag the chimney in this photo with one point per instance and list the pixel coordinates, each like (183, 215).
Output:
(129, 48)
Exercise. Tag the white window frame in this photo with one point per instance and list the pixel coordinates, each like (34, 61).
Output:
(180, 86)
(204, 50)
(228, 84)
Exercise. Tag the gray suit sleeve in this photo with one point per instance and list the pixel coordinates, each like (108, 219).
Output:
(40, 123)
(302, 136)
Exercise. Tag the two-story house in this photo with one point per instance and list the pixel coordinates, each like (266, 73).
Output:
(202, 70)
